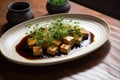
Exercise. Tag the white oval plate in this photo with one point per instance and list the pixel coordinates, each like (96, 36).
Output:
(13, 36)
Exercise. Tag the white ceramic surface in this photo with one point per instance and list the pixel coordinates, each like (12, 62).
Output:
(12, 37)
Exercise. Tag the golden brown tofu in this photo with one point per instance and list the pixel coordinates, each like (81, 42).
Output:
(31, 42)
(57, 42)
(65, 48)
(37, 51)
(68, 40)
(52, 50)
(84, 32)
(78, 40)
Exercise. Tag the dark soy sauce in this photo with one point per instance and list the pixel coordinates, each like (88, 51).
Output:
(21, 48)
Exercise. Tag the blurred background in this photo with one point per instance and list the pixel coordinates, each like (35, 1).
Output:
(108, 7)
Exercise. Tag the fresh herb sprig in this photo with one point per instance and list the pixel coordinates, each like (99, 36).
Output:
(57, 30)
(57, 2)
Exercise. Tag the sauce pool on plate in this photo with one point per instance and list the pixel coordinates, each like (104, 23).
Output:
(22, 49)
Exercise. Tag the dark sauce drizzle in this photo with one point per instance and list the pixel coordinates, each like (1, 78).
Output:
(21, 48)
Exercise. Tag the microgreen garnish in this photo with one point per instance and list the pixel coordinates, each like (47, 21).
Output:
(57, 29)
(57, 2)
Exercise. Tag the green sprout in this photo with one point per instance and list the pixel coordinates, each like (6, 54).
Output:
(57, 2)
(57, 30)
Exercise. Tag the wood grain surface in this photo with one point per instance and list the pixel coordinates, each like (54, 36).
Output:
(102, 64)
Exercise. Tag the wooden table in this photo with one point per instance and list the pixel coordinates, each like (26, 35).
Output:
(102, 64)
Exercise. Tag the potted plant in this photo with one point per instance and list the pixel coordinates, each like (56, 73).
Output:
(58, 6)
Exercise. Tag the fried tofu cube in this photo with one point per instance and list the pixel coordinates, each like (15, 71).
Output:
(52, 50)
(68, 40)
(37, 51)
(57, 42)
(31, 42)
(65, 48)
(84, 32)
